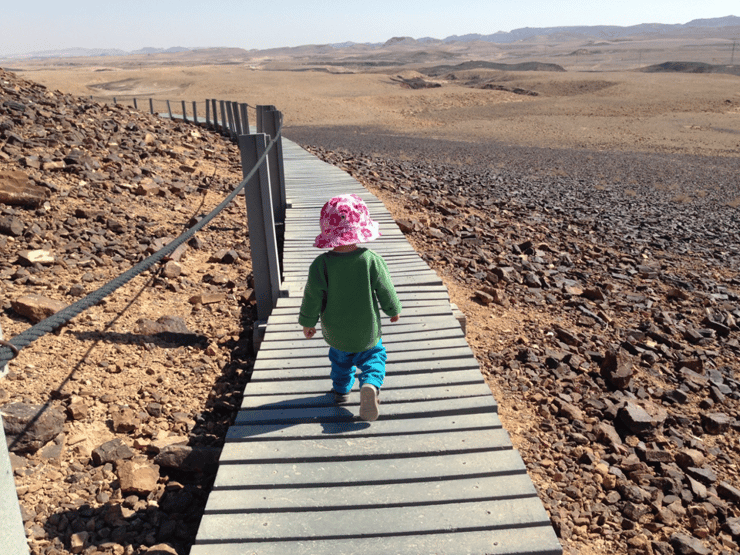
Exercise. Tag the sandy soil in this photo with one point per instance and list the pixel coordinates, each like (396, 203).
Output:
(669, 112)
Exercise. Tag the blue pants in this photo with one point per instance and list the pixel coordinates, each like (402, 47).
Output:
(371, 364)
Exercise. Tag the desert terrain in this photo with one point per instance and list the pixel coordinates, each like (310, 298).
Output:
(611, 192)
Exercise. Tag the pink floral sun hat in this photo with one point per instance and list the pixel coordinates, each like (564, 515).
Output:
(345, 220)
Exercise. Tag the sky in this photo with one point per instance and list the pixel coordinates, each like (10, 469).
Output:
(32, 26)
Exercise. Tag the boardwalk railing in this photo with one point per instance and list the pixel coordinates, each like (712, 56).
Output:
(230, 118)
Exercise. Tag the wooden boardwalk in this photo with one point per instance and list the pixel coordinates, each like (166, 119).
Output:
(435, 474)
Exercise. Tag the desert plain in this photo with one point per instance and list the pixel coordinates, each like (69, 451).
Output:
(622, 142)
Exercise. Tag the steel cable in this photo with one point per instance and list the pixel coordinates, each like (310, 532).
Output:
(9, 349)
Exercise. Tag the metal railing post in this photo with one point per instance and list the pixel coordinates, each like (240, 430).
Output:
(13, 538)
(230, 115)
(237, 120)
(151, 106)
(270, 126)
(208, 113)
(262, 238)
(169, 109)
(215, 114)
(184, 111)
(195, 113)
(224, 129)
(245, 118)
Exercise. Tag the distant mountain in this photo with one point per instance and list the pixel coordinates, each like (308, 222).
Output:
(697, 27)
(602, 32)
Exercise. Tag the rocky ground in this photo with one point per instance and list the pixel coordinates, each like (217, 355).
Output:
(601, 291)
(115, 421)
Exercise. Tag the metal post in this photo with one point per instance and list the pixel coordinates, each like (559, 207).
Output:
(260, 111)
(223, 116)
(136, 106)
(208, 113)
(237, 120)
(4, 368)
(151, 106)
(169, 109)
(195, 113)
(262, 238)
(184, 111)
(215, 114)
(245, 118)
(230, 115)
(13, 539)
(270, 125)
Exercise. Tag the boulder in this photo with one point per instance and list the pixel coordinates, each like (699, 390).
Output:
(29, 427)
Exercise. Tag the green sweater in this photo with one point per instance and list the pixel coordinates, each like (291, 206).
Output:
(344, 290)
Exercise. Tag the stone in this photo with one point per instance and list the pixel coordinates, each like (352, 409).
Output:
(686, 545)
(689, 457)
(29, 427)
(112, 451)
(38, 256)
(617, 368)
(207, 298)
(124, 420)
(77, 541)
(10, 225)
(171, 269)
(16, 188)
(36, 307)
(716, 423)
(77, 409)
(728, 492)
(732, 527)
(188, 459)
(642, 416)
(161, 549)
(138, 477)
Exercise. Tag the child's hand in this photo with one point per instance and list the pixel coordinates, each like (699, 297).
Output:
(395, 318)
(309, 332)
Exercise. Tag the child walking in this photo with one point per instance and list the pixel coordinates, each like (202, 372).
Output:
(346, 288)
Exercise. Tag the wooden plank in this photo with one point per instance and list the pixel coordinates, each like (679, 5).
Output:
(529, 540)
(335, 448)
(416, 469)
(391, 410)
(396, 343)
(362, 523)
(419, 363)
(368, 495)
(349, 429)
(404, 325)
(391, 336)
(422, 385)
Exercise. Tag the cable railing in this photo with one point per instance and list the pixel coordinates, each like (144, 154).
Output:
(264, 192)
(227, 117)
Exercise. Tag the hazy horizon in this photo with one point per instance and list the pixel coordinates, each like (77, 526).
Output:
(33, 27)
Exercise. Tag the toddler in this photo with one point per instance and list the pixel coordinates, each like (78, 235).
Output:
(347, 287)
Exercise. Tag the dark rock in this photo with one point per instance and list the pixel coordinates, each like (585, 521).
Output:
(716, 423)
(617, 369)
(29, 427)
(188, 459)
(686, 545)
(112, 451)
(642, 416)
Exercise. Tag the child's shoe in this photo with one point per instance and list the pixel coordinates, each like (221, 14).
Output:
(369, 402)
(340, 398)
